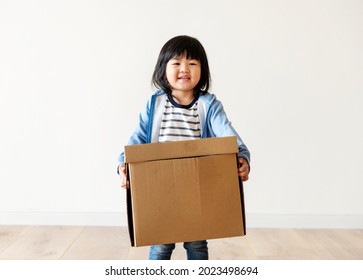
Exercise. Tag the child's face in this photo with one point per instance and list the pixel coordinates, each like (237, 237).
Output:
(183, 74)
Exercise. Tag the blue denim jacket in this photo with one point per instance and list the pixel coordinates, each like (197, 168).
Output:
(213, 121)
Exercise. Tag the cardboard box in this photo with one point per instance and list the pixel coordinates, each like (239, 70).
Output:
(184, 191)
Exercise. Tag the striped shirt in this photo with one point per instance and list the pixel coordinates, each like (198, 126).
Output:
(179, 122)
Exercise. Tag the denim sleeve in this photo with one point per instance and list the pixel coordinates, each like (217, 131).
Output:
(220, 126)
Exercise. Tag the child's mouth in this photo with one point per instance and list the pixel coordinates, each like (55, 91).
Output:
(184, 78)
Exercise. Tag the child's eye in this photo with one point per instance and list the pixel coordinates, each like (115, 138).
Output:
(174, 62)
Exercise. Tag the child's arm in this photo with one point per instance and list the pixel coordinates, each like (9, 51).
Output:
(220, 126)
(139, 136)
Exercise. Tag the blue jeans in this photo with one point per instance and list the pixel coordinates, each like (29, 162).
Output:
(196, 250)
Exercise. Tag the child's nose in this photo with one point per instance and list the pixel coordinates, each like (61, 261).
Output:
(184, 68)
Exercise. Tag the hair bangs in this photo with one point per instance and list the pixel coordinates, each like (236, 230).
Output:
(187, 49)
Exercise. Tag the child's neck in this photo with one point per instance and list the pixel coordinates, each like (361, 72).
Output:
(183, 97)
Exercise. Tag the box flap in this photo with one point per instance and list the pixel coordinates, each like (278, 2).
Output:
(181, 149)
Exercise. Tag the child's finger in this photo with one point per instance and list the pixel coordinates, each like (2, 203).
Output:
(244, 175)
(241, 161)
(244, 178)
(122, 169)
(123, 183)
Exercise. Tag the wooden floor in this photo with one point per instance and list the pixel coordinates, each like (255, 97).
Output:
(103, 243)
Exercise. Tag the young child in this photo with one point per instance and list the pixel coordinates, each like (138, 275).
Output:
(182, 109)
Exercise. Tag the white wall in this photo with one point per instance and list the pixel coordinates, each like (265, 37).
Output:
(75, 74)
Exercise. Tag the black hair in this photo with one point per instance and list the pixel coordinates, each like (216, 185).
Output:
(176, 47)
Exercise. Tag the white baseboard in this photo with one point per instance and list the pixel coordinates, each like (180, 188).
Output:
(120, 219)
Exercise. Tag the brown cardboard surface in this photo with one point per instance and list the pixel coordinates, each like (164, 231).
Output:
(185, 198)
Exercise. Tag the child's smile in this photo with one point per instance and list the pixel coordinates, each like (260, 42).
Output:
(184, 77)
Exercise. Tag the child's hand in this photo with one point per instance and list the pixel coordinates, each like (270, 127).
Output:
(122, 172)
(243, 169)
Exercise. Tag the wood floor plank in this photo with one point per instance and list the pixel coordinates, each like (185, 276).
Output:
(235, 248)
(42, 242)
(293, 246)
(113, 243)
(179, 252)
(138, 253)
(331, 245)
(280, 244)
(9, 234)
(100, 243)
(265, 244)
(356, 250)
